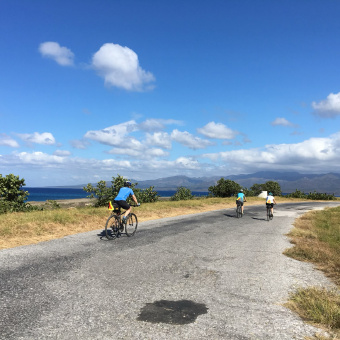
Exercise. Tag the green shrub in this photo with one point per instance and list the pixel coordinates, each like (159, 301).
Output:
(224, 188)
(12, 197)
(312, 195)
(181, 194)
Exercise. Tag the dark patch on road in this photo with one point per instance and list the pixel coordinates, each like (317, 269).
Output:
(172, 312)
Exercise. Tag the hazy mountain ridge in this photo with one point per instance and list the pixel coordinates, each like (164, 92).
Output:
(289, 182)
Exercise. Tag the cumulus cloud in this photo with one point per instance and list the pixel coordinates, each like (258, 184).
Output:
(321, 154)
(140, 154)
(62, 55)
(217, 130)
(282, 122)
(6, 140)
(45, 138)
(150, 125)
(187, 139)
(328, 108)
(113, 135)
(161, 139)
(63, 153)
(119, 66)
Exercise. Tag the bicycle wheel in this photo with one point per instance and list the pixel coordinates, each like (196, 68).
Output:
(112, 227)
(131, 224)
(238, 211)
(268, 214)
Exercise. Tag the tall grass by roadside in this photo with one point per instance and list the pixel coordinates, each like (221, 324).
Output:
(316, 239)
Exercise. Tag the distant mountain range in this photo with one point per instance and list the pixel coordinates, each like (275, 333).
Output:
(289, 182)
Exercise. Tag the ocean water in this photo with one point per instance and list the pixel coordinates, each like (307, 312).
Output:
(44, 194)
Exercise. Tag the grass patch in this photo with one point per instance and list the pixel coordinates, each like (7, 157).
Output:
(316, 239)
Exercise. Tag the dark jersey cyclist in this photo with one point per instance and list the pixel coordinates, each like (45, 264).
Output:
(240, 199)
(122, 196)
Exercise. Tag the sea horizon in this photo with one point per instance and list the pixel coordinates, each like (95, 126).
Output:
(41, 194)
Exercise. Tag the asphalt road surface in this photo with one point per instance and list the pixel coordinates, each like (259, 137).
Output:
(202, 276)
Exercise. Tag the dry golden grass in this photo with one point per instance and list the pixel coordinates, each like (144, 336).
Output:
(316, 239)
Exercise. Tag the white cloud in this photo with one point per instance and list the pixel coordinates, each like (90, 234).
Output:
(161, 139)
(6, 140)
(38, 158)
(119, 66)
(45, 138)
(63, 153)
(62, 55)
(140, 154)
(157, 124)
(79, 144)
(314, 154)
(217, 130)
(282, 122)
(113, 135)
(328, 108)
(187, 163)
(187, 139)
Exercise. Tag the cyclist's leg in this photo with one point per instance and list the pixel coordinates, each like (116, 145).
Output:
(124, 205)
(242, 208)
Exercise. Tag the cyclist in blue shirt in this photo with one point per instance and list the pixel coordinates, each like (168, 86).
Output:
(122, 196)
(240, 199)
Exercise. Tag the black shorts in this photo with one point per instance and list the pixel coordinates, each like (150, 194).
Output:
(123, 204)
(239, 203)
(270, 205)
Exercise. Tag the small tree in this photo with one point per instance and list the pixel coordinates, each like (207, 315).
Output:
(12, 197)
(224, 188)
(273, 187)
(181, 194)
(146, 195)
(256, 189)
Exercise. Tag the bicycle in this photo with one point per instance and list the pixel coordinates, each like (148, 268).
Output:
(239, 211)
(269, 213)
(114, 226)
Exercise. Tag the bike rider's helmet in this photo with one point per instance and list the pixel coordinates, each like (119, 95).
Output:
(270, 194)
(241, 190)
(127, 184)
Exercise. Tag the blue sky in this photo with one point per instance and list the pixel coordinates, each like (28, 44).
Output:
(155, 88)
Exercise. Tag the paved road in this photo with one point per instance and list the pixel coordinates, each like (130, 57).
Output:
(204, 276)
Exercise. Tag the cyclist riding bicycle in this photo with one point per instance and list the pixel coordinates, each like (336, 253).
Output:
(270, 201)
(240, 199)
(123, 194)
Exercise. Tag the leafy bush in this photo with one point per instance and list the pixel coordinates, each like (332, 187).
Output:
(224, 188)
(146, 195)
(12, 197)
(320, 196)
(297, 194)
(312, 195)
(273, 187)
(182, 194)
(105, 193)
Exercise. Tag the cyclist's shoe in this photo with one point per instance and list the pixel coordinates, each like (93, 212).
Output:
(123, 220)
